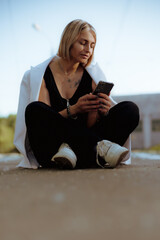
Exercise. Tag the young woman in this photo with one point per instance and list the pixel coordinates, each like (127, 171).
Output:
(60, 123)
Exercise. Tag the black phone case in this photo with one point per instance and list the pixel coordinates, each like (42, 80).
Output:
(103, 87)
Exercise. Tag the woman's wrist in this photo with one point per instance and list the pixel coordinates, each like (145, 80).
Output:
(71, 111)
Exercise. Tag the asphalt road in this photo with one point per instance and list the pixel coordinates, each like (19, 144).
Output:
(91, 204)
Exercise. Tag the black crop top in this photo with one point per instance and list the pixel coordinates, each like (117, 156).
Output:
(58, 103)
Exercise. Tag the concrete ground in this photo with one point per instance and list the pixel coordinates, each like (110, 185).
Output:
(91, 204)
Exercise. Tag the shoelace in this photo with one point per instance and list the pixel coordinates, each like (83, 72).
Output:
(106, 165)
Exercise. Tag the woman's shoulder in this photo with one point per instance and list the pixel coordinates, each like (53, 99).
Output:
(43, 64)
(53, 63)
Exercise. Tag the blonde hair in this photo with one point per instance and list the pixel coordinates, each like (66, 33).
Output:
(70, 35)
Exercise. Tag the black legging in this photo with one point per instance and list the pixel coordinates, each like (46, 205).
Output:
(47, 130)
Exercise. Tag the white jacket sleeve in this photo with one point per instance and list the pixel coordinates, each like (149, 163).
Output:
(20, 128)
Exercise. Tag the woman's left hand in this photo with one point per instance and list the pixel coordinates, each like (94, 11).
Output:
(105, 104)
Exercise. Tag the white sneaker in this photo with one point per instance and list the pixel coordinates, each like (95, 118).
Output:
(111, 153)
(65, 158)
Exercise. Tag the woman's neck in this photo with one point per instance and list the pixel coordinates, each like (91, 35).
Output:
(68, 67)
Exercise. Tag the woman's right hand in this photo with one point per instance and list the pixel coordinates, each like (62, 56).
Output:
(87, 103)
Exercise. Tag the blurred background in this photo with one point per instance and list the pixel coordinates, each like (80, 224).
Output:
(128, 51)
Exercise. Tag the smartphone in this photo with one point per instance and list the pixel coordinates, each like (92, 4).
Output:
(103, 87)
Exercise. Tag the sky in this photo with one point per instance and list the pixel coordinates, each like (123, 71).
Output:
(127, 49)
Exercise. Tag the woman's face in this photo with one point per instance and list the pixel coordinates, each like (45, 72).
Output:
(83, 48)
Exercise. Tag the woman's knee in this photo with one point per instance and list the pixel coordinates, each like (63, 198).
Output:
(39, 112)
(131, 112)
(36, 107)
(132, 108)
(33, 111)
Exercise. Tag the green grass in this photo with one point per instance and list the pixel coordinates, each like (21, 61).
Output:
(7, 126)
(154, 149)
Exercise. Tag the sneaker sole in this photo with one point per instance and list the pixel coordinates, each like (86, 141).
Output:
(122, 156)
(65, 159)
(63, 163)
